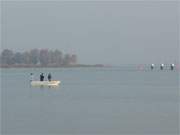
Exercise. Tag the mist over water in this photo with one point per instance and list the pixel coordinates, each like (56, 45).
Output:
(91, 101)
(123, 97)
(115, 33)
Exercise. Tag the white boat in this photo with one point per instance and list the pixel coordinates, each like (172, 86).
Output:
(45, 83)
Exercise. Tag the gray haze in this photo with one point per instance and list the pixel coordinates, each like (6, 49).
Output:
(98, 32)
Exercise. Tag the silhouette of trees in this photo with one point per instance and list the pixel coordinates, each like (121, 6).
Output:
(43, 57)
(36, 57)
(67, 59)
(7, 57)
(57, 58)
(74, 59)
(70, 59)
(18, 58)
(26, 58)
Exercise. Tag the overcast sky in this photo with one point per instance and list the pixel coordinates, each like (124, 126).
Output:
(98, 32)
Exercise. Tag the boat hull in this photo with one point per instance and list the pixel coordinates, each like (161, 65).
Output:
(45, 83)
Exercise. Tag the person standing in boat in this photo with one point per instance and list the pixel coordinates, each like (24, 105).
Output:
(31, 77)
(49, 77)
(41, 77)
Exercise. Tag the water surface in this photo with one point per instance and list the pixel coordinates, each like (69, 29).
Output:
(91, 101)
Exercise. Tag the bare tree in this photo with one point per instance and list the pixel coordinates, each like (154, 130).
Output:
(58, 57)
(67, 60)
(43, 57)
(7, 57)
(18, 58)
(26, 58)
(74, 59)
(34, 56)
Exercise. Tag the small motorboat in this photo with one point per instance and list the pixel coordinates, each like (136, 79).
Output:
(45, 83)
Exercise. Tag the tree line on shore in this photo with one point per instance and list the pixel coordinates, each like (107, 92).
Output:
(37, 57)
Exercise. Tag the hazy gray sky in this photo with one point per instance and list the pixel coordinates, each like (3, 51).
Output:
(98, 32)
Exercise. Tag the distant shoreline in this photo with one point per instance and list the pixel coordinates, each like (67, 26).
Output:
(51, 66)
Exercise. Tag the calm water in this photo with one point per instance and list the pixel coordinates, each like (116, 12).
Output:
(91, 101)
